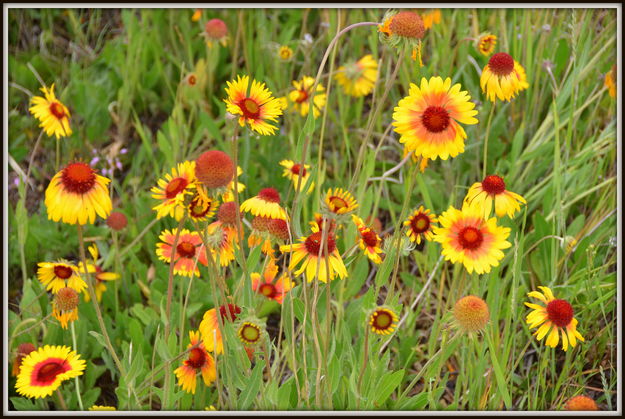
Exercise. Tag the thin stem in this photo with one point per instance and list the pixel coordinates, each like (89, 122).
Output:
(365, 359)
(118, 270)
(32, 157)
(485, 158)
(58, 156)
(75, 347)
(61, 399)
(136, 239)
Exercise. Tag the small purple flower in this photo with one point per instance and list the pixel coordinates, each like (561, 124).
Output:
(118, 164)
(123, 151)
(94, 161)
(16, 181)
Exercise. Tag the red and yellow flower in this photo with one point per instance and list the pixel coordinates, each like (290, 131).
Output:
(101, 277)
(368, 241)
(503, 77)
(293, 171)
(222, 241)
(57, 275)
(265, 204)
(65, 306)
(486, 44)
(299, 97)
(266, 286)
(189, 251)
(249, 333)
(420, 225)
(431, 17)
(492, 190)
(173, 189)
(51, 113)
(339, 201)
(256, 108)
(383, 321)
(210, 329)
(198, 361)
(358, 78)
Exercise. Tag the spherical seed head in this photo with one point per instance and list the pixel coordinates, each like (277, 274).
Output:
(25, 348)
(581, 403)
(227, 213)
(117, 221)
(66, 299)
(216, 28)
(260, 223)
(408, 24)
(214, 169)
(471, 313)
(278, 228)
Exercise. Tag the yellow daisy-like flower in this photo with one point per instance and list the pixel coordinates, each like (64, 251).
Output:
(469, 239)
(255, 108)
(95, 407)
(368, 241)
(173, 189)
(358, 78)
(430, 18)
(428, 119)
(76, 194)
(307, 250)
(486, 44)
(265, 204)
(555, 315)
(249, 333)
(420, 225)
(340, 201)
(610, 81)
(189, 253)
(52, 114)
(202, 207)
(198, 361)
(285, 53)
(493, 190)
(383, 321)
(293, 171)
(299, 97)
(223, 240)
(209, 326)
(43, 370)
(57, 275)
(101, 277)
(503, 77)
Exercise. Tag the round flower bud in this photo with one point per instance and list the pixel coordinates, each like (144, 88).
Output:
(66, 299)
(216, 29)
(278, 228)
(581, 403)
(214, 169)
(117, 221)
(471, 313)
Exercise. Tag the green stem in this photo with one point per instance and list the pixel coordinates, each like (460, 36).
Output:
(75, 347)
(485, 158)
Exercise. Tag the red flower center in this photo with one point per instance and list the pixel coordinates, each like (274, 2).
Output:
(250, 108)
(420, 223)
(560, 312)
(337, 203)
(435, 119)
(268, 290)
(46, 373)
(302, 96)
(313, 244)
(501, 64)
(78, 178)
(192, 80)
(470, 238)
(197, 358)
(493, 185)
(229, 312)
(269, 195)
(370, 238)
(175, 186)
(297, 169)
(57, 110)
(382, 320)
(63, 272)
(186, 249)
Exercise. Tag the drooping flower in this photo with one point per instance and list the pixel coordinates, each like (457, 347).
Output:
(486, 44)
(260, 235)
(189, 251)
(57, 275)
(420, 225)
(383, 321)
(471, 314)
(293, 171)
(299, 97)
(308, 250)
(469, 239)
(339, 201)
(580, 402)
(256, 108)
(22, 350)
(76, 194)
(557, 316)
(249, 333)
(51, 113)
(215, 30)
(266, 286)
(358, 78)
(43, 370)
(368, 240)
(173, 189)
(222, 241)
(428, 119)
(492, 190)
(101, 277)
(65, 306)
(209, 326)
(265, 204)
(503, 77)
(198, 361)
(610, 81)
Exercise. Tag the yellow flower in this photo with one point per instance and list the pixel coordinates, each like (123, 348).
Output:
(173, 189)
(43, 370)
(101, 277)
(65, 306)
(493, 190)
(469, 239)
(383, 321)
(339, 201)
(196, 15)
(189, 253)
(293, 170)
(428, 119)
(249, 333)
(265, 204)
(299, 97)
(430, 18)
(210, 329)
(57, 275)
(255, 108)
(52, 114)
(266, 285)
(285, 53)
(358, 78)
(222, 241)
(95, 407)
(555, 315)
(368, 241)
(420, 225)
(503, 77)
(610, 81)
(486, 44)
(198, 361)
(76, 194)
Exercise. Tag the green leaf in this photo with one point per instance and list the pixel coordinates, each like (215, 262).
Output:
(251, 391)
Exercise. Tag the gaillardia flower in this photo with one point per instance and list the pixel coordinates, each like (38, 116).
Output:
(173, 189)
(293, 171)
(249, 333)
(610, 81)
(76, 194)
(189, 251)
(65, 306)
(420, 225)
(214, 169)
(492, 190)
(52, 114)
(403, 28)
(368, 241)
(215, 30)
(469, 239)
(340, 202)
(43, 370)
(580, 402)
(383, 321)
(471, 314)
(503, 77)
(285, 53)
(486, 44)
(256, 108)
(222, 240)
(197, 15)
(265, 204)
(358, 78)
(428, 119)
(198, 361)
(101, 277)
(266, 286)
(555, 315)
(308, 250)
(430, 18)
(22, 350)
(300, 96)
(57, 275)
(209, 326)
